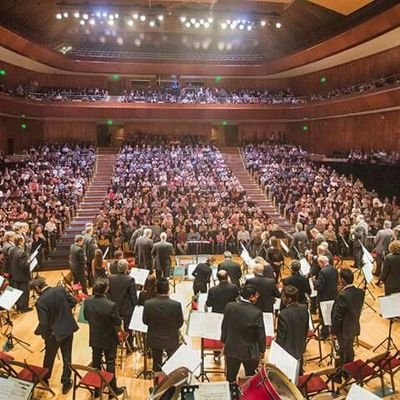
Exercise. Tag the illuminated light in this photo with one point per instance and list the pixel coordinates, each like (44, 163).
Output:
(2, 72)
(92, 21)
(206, 25)
(323, 80)
(249, 27)
(111, 17)
(104, 15)
(305, 128)
(85, 16)
(65, 15)
(183, 19)
(233, 26)
(59, 16)
(193, 21)
(188, 24)
(24, 126)
(210, 20)
(228, 21)
(263, 23)
(201, 21)
(143, 18)
(116, 16)
(221, 46)
(98, 14)
(115, 77)
(109, 122)
(102, 39)
(197, 25)
(110, 22)
(137, 42)
(218, 78)
(224, 123)
(160, 17)
(229, 46)
(76, 14)
(278, 25)
(135, 16)
(241, 27)
(224, 25)
(152, 23)
(120, 41)
(82, 22)
(130, 22)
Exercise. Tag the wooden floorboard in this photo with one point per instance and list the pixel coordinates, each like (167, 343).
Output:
(374, 330)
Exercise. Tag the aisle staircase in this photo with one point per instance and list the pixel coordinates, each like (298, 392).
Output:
(88, 208)
(235, 162)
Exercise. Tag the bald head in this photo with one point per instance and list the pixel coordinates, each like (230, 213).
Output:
(222, 275)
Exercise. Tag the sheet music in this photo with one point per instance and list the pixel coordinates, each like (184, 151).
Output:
(245, 256)
(136, 323)
(205, 325)
(269, 324)
(9, 297)
(367, 271)
(190, 269)
(326, 310)
(314, 293)
(183, 357)
(181, 299)
(201, 301)
(284, 361)
(140, 275)
(105, 253)
(367, 256)
(213, 391)
(357, 392)
(34, 263)
(1, 281)
(214, 271)
(284, 247)
(277, 304)
(34, 254)
(305, 267)
(15, 389)
(310, 322)
(390, 305)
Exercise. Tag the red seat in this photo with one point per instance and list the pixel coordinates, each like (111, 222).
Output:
(94, 380)
(76, 287)
(313, 384)
(28, 374)
(5, 357)
(358, 369)
(212, 344)
(387, 365)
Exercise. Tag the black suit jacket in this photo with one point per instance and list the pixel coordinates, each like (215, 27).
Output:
(104, 322)
(292, 329)
(164, 317)
(233, 270)
(18, 264)
(326, 284)
(267, 290)
(54, 309)
(346, 312)
(243, 331)
(89, 247)
(122, 291)
(7, 246)
(202, 274)
(161, 253)
(391, 274)
(142, 252)
(301, 283)
(219, 296)
(77, 258)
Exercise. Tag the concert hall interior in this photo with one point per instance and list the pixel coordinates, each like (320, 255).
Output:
(199, 199)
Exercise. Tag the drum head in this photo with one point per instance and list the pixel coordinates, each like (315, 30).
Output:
(170, 387)
(285, 389)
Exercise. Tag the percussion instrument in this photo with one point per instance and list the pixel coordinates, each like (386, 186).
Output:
(270, 383)
(170, 386)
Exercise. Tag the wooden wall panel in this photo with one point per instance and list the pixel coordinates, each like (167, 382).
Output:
(260, 131)
(374, 131)
(60, 131)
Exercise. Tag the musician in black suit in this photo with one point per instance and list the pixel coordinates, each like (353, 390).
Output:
(326, 286)
(77, 261)
(293, 325)
(266, 288)
(118, 255)
(299, 281)
(104, 323)
(382, 241)
(89, 248)
(232, 268)
(299, 241)
(142, 250)
(8, 243)
(391, 269)
(161, 253)
(220, 295)
(122, 292)
(202, 274)
(56, 326)
(164, 318)
(243, 334)
(20, 274)
(346, 313)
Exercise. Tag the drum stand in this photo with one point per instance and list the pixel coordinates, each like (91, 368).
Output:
(389, 340)
(12, 341)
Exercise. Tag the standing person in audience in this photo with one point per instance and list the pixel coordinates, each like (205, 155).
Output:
(243, 334)
(20, 274)
(8, 244)
(346, 314)
(57, 326)
(161, 253)
(391, 269)
(123, 293)
(164, 318)
(78, 263)
(89, 248)
(104, 324)
(266, 288)
(202, 275)
(326, 286)
(300, 282)
(293, 325)
(299, 241)
(118, 255)
(142, 251)
(382, 241)
(232, 268)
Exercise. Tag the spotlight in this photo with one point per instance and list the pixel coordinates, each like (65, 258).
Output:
(135, 16)
(59, 16)
(116, 16)
(111, 17)
(98, 14)
(206, 25)
(201, 21)
(278, 25)
(65, 15)
(241, 27)
(263, 23)
(210, 20)
(197, 25)
(152, 24)
(130, 22)
(85, 16)
(92, 21)
(224, 25)
(104, 15)
(143, 18)
(82, 22)
(110, 22)
(120, 41)
(183, 19)
(160, 17)
(188, 24)
(76, 14)
(193, 21)
(249, 27)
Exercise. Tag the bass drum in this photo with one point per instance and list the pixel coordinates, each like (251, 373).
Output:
(170, 387)
(270, 383)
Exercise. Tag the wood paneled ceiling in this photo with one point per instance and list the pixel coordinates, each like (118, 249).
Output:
(304, 24)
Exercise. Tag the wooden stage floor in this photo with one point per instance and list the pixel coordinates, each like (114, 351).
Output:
(374, 330)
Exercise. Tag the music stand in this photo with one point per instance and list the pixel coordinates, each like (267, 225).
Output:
(366, 280)
(390, 309)
(12, 341)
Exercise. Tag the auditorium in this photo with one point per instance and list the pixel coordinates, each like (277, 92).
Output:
(199, 199)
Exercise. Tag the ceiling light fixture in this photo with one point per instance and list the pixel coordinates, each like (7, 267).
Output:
(152, 23)
(142, 18)
(263, 23)
(278, 25)
(130, 22)
(65, 15)
(59, 16)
